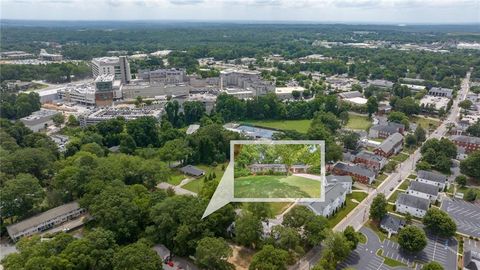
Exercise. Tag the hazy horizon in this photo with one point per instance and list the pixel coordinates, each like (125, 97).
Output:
(440, 12)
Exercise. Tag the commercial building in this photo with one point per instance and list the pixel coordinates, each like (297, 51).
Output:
(147, 90)
(45, 221)
(336, 190)
(83, 93)
(433, 103)
(470, 144)
(413, 205)
(251, 132)
(39, 120)
(423, 190)
(432, 178)
(440, 92)
(385, 130)
(370, 160)
(246, 79)
(350, 94)
(45, 56)
(384, 84)
(357, 172)
(111, 113)
(390, 146)
(104, 90)
(117, 66)
(287, 92)
(15, 55)
(164, 76)
(239, 93)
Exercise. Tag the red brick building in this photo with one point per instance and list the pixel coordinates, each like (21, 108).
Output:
(470, 144)
(357, 172)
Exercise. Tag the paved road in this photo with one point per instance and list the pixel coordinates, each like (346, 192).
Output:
(358, 216)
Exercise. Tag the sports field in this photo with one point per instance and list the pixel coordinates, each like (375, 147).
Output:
(274, 186)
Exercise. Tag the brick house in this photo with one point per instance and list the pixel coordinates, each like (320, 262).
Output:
(357, 172)
(370, 160)
(470, 144)
(391, 146)
(383, 131)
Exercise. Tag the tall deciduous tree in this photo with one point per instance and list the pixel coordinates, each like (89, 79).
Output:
(439, 222)
(412, 239)
(213, 253)
(269, 258)
(378, 209)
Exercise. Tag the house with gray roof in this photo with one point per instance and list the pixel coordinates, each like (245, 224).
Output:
(263, 168)
(45, 221)
(357, 172)
(432, 178)
(192, 170)
(413, 205)
(392, 224)
(336, 190)
(390, 146)
(423, 190)
(384, 130)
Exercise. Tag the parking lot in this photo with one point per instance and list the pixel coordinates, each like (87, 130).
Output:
(439, 249)
(465, 214)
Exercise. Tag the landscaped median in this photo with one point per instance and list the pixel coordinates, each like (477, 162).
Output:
(389, 261)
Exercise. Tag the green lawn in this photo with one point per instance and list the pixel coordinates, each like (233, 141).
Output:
(359, 196)
(358, 122)
(197, 184)
(404, 184)
(412, 176)
(401, 157)
(425, 123)
(176, 177)
(363, 239)
(464, 190)
(388, 261)
(278, 207)
(394, 196)
(380, 178)
(276, 186)
(298, 125)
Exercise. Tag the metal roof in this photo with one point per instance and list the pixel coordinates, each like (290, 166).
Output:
(413, 201)
(42, 218)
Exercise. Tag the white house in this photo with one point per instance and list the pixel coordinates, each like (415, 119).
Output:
(431, 178)
(423, 190)
(414, 205)
(336, 190)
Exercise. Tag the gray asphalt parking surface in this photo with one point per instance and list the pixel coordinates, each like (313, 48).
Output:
(465, 214)
(439, 249)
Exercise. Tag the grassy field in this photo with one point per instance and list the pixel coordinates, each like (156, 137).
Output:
(359, 196)
(273, 186)
(426, 123)
(358, 122)
(298, 125)
(195, 185)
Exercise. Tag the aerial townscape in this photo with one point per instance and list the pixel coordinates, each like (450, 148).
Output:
(117, 120)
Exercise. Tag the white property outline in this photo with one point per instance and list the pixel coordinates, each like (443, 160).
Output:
(322, 170)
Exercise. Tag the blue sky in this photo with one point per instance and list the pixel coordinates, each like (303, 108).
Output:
(360, 11)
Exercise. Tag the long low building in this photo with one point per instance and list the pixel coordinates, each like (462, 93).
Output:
(111, 113)
(45, 221)
(357, 172)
